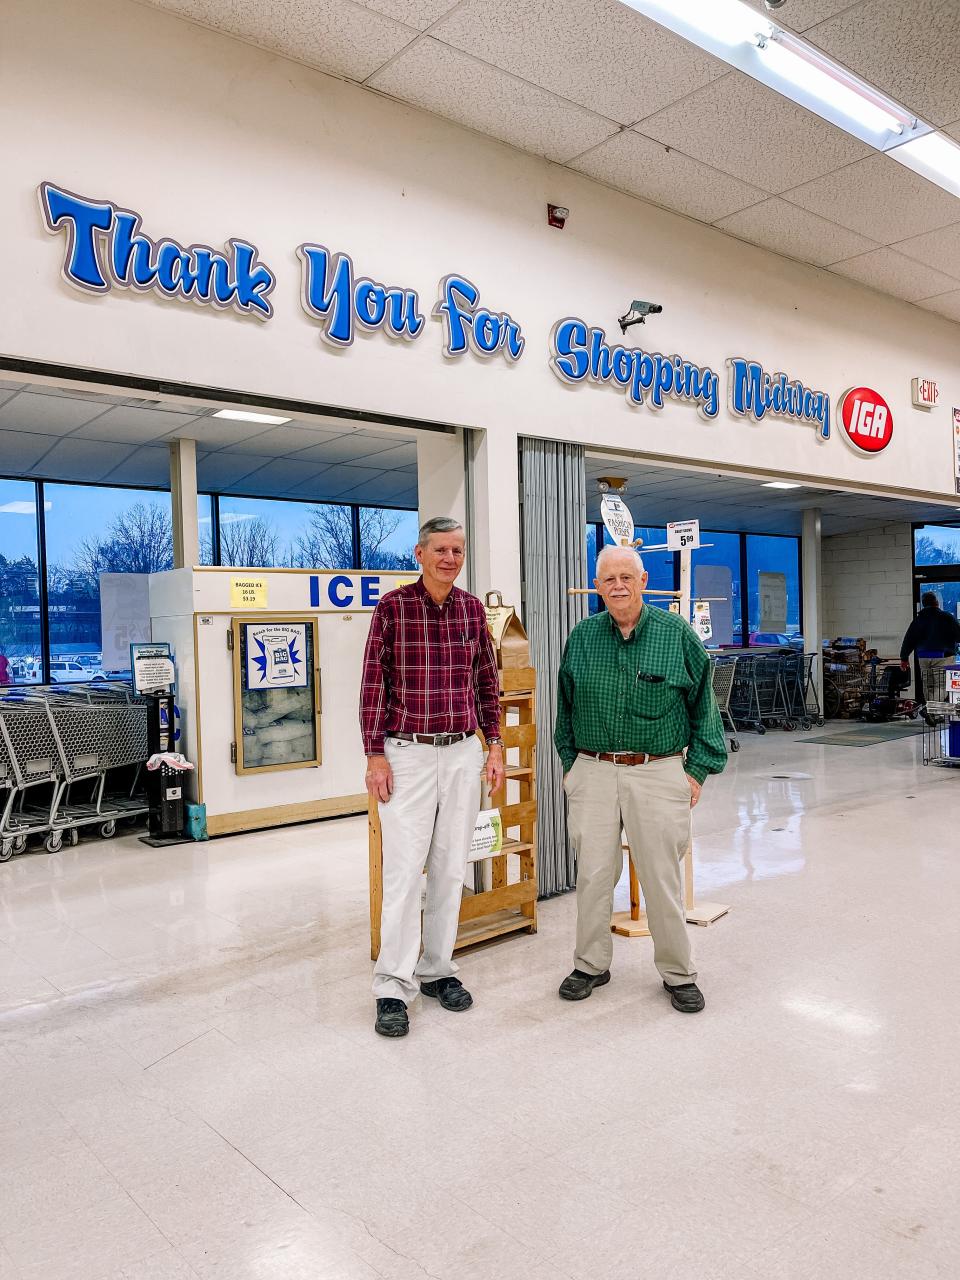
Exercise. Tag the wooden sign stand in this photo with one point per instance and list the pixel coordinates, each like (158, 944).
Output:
(633, 923)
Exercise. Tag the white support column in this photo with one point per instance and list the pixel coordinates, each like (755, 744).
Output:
(183, 495)
(441, 487)
(496, 515)
(812, 620)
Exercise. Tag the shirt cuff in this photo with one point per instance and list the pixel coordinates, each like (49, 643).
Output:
(568, 759)
(697, 772)
(374, 747)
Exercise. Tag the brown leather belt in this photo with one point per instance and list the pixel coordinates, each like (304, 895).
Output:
(433, 739)
(626, 757)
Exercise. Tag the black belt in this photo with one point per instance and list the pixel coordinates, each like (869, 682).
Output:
(433, 739)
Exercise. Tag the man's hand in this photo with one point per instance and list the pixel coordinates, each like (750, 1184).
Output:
(904, 665)
(494, 769)
(695, 789)
(379, 778)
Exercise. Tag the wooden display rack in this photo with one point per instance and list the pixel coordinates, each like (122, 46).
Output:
(507, 906)
(633, 923)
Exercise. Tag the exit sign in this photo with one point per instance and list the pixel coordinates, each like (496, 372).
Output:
(924, 392)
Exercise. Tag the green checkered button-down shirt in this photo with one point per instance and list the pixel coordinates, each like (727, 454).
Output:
(651, 692)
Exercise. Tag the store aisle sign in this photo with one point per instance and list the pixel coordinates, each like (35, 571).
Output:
(866, 419)
(754, 393)
(275, 655)
(683, 535)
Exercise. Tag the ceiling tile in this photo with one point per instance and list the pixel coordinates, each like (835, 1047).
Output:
(219, 433)
(944, 304)
(382, 488)
(891, 272)
(72, 459)
(801, 14)
(452, 84)
(879, 198)
(749, 131)
(415, 13)
(283, 440)
(20, 452)
(647, 169)
(48, 415)
(216, 471)
(335, 481)
(335, 35)
(795, 232)
(597, 53)
(938, 249)
(136, 426)
(911, 51)
(350, 448)
(148, 465)
(279, 476)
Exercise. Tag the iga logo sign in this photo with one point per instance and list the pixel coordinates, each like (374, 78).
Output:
(866, 419)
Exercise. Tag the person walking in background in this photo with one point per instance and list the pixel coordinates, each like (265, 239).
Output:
(932, 637)
(4, 670)
(637, 731)
(430, 680)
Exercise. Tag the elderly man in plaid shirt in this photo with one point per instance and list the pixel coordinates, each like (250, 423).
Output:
(429, 682)
(638, 731)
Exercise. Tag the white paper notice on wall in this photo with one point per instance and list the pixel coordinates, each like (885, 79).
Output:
(276, 655)
(617, 519)
(772, 589)
(683, 535)
(124, 616)
(701, 619)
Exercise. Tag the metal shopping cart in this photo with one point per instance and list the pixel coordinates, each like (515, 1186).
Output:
(941, 738)
(35, 762)
(722, 677)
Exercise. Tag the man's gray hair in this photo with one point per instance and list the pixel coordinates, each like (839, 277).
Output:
(630, 551)
(437, 524)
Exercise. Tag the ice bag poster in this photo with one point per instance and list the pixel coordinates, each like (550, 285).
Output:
(275, 655)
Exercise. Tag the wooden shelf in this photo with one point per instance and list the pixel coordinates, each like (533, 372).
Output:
(495, 925)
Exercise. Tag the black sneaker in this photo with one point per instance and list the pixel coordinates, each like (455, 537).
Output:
(578, 985)
(392, 1018)
(688, 997)
(451, 993)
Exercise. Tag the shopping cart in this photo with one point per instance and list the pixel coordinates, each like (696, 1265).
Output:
(846, 682)
(722, 677)
(35, 762)
(811, 698)
(941, 738)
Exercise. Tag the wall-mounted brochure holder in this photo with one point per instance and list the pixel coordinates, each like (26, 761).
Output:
(277, 694)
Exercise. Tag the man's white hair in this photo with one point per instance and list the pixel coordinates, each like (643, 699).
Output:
(629, 551)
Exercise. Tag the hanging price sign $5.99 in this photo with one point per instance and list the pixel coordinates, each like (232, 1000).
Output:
(683, 535)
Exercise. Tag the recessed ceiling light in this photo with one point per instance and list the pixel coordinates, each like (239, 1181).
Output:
(780, 484)
(245, 415)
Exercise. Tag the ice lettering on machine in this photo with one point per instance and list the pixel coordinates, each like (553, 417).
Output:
(332, 293)
(105, 248)
(579, 352)
(754, 393)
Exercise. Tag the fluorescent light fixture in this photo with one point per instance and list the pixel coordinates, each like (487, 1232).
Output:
(740, 36)
(245, 415)
(935, 157)
(781, 484)
(832, 84)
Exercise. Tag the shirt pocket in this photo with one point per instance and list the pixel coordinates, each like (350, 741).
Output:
(463, 650)
(652, 696)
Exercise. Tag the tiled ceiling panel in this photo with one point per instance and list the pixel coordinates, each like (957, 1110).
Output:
(475, 94)
(795, 233)
(891, 272)
(910, 50)
(134, 426)
(799, 15)
(419, 14)
(47, 415)
(598, 53)
(944, 304)
(755, 135)
(21, 451)
(669, 178)
(937, 249)
(89, 460)
(334, 35)
(880, 199)
(149, 466)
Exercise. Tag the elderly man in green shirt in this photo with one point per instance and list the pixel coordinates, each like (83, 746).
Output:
(638, 731)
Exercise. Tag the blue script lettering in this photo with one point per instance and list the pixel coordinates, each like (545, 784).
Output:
(578, 352)
(465, 328)
(331, 294)
(105, 247)
(754, 393)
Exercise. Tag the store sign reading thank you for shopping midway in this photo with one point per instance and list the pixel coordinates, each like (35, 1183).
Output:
(106, 248)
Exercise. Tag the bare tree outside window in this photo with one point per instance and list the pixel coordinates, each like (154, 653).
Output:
(327, 542)
(250, 544)
(138, 540)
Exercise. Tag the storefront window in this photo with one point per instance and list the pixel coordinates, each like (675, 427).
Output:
(716, 577)
(20, 595)
(90, 530)
(205, 523)
(936, 544)
(387, 538)
(773, 590)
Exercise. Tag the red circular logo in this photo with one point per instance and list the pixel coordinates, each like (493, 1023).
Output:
(866, 419)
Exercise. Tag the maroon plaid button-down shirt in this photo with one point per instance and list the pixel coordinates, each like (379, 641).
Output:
(428, 668)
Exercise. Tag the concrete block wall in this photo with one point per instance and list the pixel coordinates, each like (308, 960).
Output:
(868, 586)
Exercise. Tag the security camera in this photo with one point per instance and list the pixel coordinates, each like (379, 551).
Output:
(774, 4)
(557, 215)
(637, 314)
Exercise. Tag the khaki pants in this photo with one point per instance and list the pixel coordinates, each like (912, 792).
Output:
(927, 665)
(651, 802)
(429, 820)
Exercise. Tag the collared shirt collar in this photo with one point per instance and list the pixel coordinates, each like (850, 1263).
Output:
(618, 634)
(427, 598)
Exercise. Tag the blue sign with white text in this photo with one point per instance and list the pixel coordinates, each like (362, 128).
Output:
(754, 393)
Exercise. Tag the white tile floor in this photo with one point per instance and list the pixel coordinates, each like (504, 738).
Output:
(192, 1086)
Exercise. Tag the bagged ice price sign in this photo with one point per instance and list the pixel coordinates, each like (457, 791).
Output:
(617, 519)
(683, 535)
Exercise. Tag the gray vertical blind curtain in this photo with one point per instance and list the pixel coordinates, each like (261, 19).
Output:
(554, 558)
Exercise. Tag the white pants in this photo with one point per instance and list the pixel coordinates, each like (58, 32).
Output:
(429, 820)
